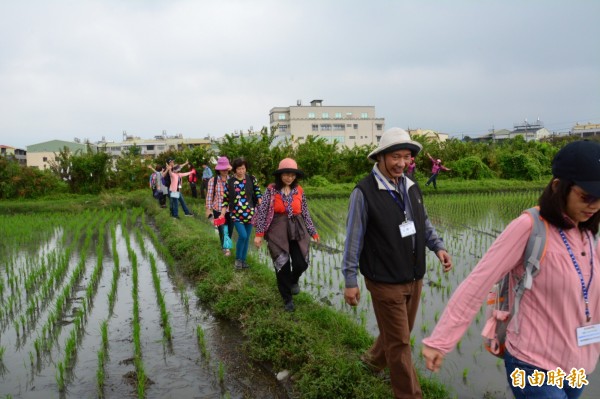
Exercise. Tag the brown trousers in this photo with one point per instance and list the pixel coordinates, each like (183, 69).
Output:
(396, 307)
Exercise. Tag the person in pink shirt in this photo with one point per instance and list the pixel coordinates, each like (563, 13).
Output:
(436, 168)
(563, 303)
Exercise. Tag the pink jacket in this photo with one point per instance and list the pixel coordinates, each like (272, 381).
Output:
(175, 180)
(549, 314)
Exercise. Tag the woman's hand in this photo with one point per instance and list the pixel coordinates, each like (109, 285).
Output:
(433, 358)
(257, 241)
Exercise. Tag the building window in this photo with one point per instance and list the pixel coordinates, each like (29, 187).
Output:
(351, 137)
(315, 128)
(338, 115)
(356, 126)
(150, 148)
(348, 114)
(45, 159)
(281, 117)
(339, 127)
(326, 127)
(283, 128)
(364, 115)
(311, 115)
(379, 126)
(325, 115)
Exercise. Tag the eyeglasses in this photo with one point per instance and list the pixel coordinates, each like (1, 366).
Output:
(587, 198)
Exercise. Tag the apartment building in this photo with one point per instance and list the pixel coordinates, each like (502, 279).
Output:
(586, 130)
(349, 125)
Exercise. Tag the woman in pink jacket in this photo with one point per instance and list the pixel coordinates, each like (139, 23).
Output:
(436, 168)
(545, 355)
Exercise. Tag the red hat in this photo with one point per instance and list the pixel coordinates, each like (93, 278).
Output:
(288, 165)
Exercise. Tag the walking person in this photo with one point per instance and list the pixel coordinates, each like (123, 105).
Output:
(387, 232)
(214, 200)
(284, 221)
(563, 302)
(240, 197)
(207, 174)
(436, 168)
(193, 179)
(175, 194)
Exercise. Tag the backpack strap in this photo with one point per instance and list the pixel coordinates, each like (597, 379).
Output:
(534, 253)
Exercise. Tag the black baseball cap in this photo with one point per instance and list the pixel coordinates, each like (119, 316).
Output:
(579, 161)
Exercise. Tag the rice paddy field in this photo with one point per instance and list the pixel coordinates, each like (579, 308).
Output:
(91, 307)
(468, 224)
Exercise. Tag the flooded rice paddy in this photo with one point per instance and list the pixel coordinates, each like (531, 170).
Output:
(88, 309)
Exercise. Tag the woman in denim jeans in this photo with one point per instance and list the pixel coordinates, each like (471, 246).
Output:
(240, 197)
(549, 350)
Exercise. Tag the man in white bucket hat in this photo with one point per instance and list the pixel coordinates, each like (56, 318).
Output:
(387, 233)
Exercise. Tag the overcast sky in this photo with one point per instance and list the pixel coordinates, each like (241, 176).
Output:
(90, 69)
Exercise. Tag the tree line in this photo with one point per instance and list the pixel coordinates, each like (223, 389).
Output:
(323, 162)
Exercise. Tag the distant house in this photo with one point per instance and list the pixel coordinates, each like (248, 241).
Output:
(586, 130)
(12, 152)
(430, 134)
(150, 147)
(529, 131)
(40, 155)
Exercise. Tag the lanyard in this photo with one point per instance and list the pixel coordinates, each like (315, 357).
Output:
(400, 203)
(584, 289)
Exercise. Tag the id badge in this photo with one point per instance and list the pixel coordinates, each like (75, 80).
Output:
(407, 228)
(588, 335)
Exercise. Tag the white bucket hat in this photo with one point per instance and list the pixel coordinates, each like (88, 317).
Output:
(395, 139)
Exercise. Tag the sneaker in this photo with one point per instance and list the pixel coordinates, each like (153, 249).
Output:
(189, 214)
(289, 306)
(238, 264)
(245, 265)
(295, 289)
(226, 252)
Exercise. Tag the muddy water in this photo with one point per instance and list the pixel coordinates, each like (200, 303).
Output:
(175, 369)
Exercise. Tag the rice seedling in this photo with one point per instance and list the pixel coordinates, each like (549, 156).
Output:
(221, 372)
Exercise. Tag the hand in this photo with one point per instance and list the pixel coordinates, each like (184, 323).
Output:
(209, 213)
(446, 260)
(257, 241)
(433, 358)
(352, 296)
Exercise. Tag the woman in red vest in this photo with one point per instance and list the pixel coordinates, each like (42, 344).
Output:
(284, 221)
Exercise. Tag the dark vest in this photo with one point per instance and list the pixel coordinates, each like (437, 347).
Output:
(386, 257)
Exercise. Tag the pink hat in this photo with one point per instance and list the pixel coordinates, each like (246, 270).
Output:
(223, 164)
(288, 165)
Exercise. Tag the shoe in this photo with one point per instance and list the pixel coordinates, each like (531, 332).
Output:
(189, 214)
(295, 289)
(245, 265)
(175, 217)
(289, 306)
(238, 264)
(226, 252)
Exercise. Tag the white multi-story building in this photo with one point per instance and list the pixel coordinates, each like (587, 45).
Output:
(349, 125)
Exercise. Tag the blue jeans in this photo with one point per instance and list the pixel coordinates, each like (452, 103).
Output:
(545, 391)
(432, 179)
(241, 247)
(175, 206)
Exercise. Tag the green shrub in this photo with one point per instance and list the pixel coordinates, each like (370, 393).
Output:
(471, 168)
